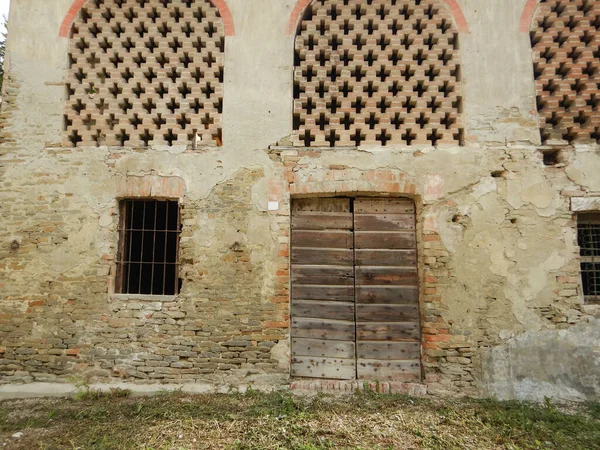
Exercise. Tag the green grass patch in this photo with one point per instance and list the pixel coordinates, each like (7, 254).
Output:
(280, 420)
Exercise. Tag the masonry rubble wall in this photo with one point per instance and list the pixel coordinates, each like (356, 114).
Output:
(498, 255)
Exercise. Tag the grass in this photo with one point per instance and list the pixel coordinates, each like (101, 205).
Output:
(257, 420)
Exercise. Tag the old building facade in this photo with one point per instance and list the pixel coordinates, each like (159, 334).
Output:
(303, 193)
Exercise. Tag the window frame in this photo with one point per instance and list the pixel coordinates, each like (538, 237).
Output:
(588, 218)
(123, 238)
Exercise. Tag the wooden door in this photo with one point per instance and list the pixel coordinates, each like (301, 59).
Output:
(322, 279)
(387, 312)
(354, 293)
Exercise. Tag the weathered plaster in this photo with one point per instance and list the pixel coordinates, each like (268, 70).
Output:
(498, 257)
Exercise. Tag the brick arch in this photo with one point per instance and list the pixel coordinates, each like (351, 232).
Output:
(527, 15)
(221, 5)
(459, 17)
(347, 181)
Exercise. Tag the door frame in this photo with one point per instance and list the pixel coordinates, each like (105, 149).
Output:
(420, 249)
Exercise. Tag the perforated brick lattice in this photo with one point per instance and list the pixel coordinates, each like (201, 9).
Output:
(145, 72)
(565, 38)
(379, 71)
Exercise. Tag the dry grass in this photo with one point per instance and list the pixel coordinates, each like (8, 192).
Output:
(257, 420)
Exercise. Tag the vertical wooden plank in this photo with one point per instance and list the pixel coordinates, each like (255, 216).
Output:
(385, 273)
(323, 331)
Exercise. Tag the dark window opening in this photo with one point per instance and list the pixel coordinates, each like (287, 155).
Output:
(149, 245)
(588, 238)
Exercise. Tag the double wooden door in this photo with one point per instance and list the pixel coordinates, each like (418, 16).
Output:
(354, 294)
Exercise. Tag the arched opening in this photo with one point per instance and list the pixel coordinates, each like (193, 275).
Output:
(145, 73)
(376, 72)
(565, 37)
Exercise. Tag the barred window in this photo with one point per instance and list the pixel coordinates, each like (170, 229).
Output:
(148, 260)
(377, 72)
(565, 37)
(145, 72)
(588, 237)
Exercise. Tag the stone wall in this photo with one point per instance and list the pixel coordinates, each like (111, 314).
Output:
(498, 256)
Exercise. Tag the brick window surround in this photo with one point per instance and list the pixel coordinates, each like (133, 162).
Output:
(145, 73)
(565, 37)
(377, 72)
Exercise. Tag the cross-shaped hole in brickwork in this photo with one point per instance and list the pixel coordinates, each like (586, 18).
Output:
(146, 137)
(184, 90)
(89, 122)
(447, 120)
(80, 75)
(551, 87)
(565, 103)
(75, 138)
(358, 104)
(122, 137)
(333, 138)
(105, 45)
(409, 136)
(136, 121)
(130, 14)
(358, 137)
(397, 121)
(409, 104)
(591, 69)
(173, 105)
(98, 137)
(183, 121)
(384, 104)
(140, 60)
(159, 121)
(322, 121)
(372, 121)
(434, 137)
(149, 105)
(196, 105)
(185, 60)
(308, 138)
(78, 106)
(67, 122)
(581, 118)
(384, 137)
(207, 121)
(173, 75)
(170, 137)
(128, 44)
(553, 120)
(142, 29)
(112, 121)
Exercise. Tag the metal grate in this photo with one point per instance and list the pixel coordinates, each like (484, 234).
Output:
(149, 245)
(588, 237)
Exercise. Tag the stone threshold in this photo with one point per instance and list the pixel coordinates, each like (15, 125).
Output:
(351, 386)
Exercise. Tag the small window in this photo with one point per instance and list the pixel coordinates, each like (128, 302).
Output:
(148, 260)
(588, 237)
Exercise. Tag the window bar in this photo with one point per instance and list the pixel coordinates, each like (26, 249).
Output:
(154, 247)
(122, 246)
(142, 247)
(176, 274)
(594, 246)
(164, 283)
(129, 202)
